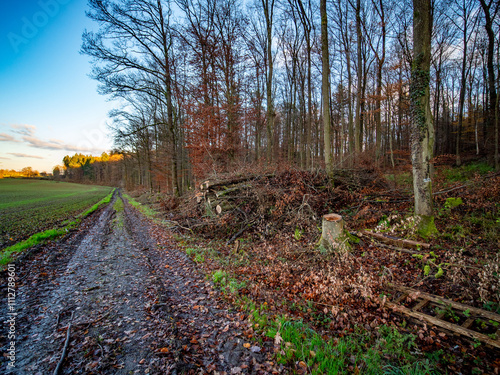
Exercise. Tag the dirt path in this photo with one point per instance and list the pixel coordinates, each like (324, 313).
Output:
(134, 307)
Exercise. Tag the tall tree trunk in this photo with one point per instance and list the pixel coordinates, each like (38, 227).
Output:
(350, 119)
(421, 123)
(358, 135)
(381, 61)
(325, 62)
(488, 16)
(461, 100)
(268, 6)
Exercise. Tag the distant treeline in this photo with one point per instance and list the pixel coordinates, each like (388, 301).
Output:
(107, 169)
(25, 172)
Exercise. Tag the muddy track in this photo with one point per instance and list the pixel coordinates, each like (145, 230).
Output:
(135, 307)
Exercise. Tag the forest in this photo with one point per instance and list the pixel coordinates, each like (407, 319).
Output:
(211, 86)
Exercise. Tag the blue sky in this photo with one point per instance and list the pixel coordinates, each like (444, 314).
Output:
(49, 107)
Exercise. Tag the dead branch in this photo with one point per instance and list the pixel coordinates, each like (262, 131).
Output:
(387, 246)
(401, 242)
(65, 349)
(93, 321)
(464, 185)
(239, 233)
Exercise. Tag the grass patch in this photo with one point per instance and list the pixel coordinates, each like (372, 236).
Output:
(144, 209)
(466, 172)
(190, 251)
(50, 234)
(31, 241)
(223, 281)
(386, 352)
(118, 221)
(199, 258)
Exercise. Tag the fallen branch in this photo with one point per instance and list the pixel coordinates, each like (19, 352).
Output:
(239, 233)
(392, 247)
(65, 349)
(93, 321)
(396, 241)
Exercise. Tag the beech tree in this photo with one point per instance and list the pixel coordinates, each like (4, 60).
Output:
(268, 9)
(422, 132)
(325, 86)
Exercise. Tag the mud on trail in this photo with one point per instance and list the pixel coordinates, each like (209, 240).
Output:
(134, 307)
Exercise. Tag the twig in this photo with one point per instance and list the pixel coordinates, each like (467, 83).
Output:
(232, 239)
(177, 225)
(93, 321)
(396, 248)
(65, 349)
(452, 189)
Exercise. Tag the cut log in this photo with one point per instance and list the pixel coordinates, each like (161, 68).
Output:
(230, 190)
(333, 233)
(222, 206)
(199, 197)
(233, 181)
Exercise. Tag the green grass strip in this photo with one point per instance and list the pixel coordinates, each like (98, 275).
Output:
(50, 234)
(387, 352)
(144, 209)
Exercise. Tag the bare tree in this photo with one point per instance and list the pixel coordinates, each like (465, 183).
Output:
(132, 54)
(268, 8)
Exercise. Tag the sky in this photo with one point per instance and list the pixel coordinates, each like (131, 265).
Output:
(49, 106)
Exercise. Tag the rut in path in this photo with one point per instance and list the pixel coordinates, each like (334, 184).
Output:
(136, 309)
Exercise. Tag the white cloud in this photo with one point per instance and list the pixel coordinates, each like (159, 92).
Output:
(4, 137)
(53, 144)
(24, 129)
(19, 155)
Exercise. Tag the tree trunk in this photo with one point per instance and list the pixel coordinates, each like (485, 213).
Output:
(358, 135)
(421, 124)
(325, 87)
(381, 61)
(489, 64)
(268, 13)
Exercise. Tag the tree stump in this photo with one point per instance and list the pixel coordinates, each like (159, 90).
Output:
(333, 234)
